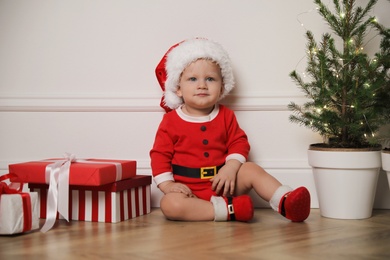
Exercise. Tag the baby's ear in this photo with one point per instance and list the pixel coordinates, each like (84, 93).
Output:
(178, 92)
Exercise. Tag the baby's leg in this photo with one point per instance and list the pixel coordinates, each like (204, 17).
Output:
(178, 206)
(252, 176)
(292, 204)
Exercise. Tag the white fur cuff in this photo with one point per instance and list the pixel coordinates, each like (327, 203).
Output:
(279, 193)
(220, 208)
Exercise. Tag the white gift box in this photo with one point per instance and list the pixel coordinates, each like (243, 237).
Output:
(15, 215)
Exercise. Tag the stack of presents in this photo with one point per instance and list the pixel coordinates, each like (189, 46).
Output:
(96, 190)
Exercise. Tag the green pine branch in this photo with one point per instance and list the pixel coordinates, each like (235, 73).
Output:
(348, 91)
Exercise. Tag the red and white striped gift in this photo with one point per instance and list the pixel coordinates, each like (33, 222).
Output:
(109, 203)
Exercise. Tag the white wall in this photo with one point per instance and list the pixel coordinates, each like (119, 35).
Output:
(78, 76)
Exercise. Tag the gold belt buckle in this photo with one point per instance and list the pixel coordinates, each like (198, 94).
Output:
(208, 172)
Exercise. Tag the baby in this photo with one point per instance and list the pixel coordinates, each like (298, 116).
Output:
(199, 156)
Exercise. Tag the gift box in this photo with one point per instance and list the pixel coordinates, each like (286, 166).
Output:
(89, 172)
(109, 203)
(18, 213)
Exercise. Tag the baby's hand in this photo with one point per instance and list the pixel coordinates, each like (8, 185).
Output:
(225, 181)
(171, 186)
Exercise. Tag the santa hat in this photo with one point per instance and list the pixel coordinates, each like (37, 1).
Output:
(179, 56)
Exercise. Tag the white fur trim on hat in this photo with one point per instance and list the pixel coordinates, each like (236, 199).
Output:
(183, 55)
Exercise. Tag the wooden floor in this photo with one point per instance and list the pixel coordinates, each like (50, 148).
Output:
(268, 236)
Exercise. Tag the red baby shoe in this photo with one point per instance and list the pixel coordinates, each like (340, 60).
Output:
(295, 205)
(240, 208)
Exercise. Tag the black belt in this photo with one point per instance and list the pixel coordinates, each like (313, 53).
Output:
(200, 173)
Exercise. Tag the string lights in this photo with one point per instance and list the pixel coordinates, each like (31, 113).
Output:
(337, 69)
(313, 51)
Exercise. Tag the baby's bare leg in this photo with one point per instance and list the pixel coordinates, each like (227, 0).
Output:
(178, 206)
(252, 176)
(292, 204)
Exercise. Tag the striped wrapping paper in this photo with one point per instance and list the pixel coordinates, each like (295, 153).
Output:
(109, 203)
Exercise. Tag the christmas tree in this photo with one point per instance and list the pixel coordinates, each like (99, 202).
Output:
(348, 91)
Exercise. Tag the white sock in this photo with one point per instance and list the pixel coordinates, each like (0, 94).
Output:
(220, 208)
(278, 194)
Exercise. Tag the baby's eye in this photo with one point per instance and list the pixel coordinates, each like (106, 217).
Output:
(210, 79)
(192, 79)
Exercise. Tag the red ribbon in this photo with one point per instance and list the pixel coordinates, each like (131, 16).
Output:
(27, 210)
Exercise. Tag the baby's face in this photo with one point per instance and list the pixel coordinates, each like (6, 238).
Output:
(201, 85)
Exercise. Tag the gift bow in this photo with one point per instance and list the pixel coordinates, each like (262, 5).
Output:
(9, 189)
(57, 175)
(58, 194)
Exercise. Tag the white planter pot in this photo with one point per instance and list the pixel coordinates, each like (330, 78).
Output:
(386, 163)
(345, 182)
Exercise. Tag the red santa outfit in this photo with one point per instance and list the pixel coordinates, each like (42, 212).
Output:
(197, 142)
(190, 150)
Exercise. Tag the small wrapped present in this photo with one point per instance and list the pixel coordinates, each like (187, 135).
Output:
(110, 203)
(18, 210)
